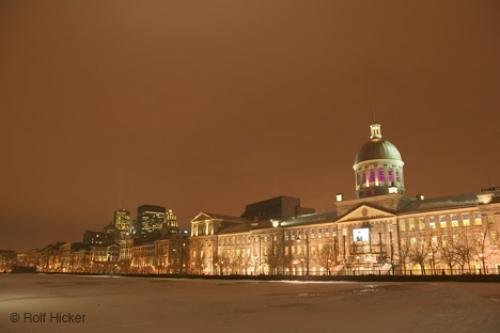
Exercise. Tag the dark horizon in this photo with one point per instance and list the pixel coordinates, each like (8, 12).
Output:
(200, 107)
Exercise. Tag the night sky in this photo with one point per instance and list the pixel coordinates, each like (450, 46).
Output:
(210, 105)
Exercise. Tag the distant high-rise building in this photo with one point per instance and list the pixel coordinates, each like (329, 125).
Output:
(170, 226)
(123, 223)
(150, 219)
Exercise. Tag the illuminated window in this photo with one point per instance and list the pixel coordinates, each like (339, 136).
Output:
(381, 175)
(432, 222)
(465, 219)
(372, 176)
(421, 223)
(442, 221)
(411, 224)
(454, 221)
(390, 176)
(477, 219)
(402, 225)
(434, 240)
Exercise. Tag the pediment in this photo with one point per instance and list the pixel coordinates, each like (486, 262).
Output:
(202, 217)
(365, 212)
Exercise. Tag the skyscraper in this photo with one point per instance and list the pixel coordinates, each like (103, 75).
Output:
(122, 222)
(150, 219)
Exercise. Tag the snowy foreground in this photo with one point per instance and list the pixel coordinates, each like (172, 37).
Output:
(115, 304)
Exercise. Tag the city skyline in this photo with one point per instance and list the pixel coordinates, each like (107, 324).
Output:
(103, 111)
(383, 230)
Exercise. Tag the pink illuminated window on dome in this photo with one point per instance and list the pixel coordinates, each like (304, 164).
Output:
(381, 175)
(390, 176)
(372, 176)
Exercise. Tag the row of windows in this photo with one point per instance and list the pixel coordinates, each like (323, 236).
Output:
(241, 240)
(378, 176)
(442, 221)
(313, 233)
(444, 239)
(302, 249)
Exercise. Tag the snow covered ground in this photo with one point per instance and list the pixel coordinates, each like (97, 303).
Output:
(116, 304)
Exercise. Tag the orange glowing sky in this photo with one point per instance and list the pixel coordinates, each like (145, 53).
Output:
(199, 105)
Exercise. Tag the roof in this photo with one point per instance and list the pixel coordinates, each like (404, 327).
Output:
(227, 217)
(310, 219)
(457, 201)
(377, 149)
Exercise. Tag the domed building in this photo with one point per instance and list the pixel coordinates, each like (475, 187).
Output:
(378, 167)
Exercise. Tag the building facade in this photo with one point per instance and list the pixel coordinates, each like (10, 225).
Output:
(382, 231)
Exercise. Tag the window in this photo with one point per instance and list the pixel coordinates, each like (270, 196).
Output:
(398, 178)
(390, 176)
(421, 223)
(442, 221)
(402, 225)
(381, 176)
(493, 236)
(372, 176)
(432, 222)
(465, 219)
(454, 221)
(477, 219)
(411, 224)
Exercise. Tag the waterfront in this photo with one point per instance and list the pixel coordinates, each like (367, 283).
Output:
(130, 304)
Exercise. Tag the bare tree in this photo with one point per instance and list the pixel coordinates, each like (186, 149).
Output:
(418, 254)
(448, 254)
(327, 256)
(481, 246)
(464, 249)
(404, 253)
(275, 254)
